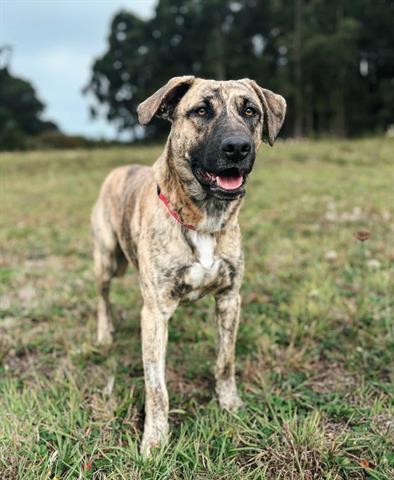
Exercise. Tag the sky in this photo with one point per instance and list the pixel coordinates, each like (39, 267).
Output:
(54, 45)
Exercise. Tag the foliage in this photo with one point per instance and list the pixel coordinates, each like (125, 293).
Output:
(20, 112)
(315, 346)
(333, 61)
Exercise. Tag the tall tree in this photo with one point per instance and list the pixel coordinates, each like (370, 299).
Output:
(297, 53)
(333, 61)
(211, 38)
(20, 109)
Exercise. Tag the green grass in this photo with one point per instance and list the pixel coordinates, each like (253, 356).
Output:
(315, 349)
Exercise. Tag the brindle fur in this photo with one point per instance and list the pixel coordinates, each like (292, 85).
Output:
(131, 225)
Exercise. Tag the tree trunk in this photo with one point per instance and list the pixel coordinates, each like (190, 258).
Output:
(298, 96)
(309, 112)
(338, 126)
(220, 69)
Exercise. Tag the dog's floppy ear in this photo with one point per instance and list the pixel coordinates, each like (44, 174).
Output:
(163, 102)
(274, 107)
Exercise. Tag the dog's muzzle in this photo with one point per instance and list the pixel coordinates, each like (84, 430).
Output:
(225, 178)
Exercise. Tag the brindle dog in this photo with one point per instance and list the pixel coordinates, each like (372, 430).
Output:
(177, 223)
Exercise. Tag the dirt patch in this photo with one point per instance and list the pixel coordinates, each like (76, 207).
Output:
(28, 361)
(9, 467)
(384, 424)
(330, 377)
(199, 389)
(271, 358)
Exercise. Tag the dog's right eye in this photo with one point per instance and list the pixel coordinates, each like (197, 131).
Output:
(201, 111)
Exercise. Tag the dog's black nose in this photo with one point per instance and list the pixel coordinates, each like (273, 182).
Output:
(236, 148)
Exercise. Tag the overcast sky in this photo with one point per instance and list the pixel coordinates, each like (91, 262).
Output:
(54, 44)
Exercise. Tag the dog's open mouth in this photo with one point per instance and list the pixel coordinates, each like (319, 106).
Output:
(230, 180)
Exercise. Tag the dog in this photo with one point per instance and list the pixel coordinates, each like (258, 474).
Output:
(177, 223)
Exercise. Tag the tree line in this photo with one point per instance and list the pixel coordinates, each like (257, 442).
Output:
(20, 109)
(333, 61)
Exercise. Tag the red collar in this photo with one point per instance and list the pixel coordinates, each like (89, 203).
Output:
(173, 213)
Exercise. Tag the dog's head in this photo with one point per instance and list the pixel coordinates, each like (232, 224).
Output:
(217, 127)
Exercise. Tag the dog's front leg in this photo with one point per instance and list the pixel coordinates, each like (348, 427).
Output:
(227, 318)
(154, 328)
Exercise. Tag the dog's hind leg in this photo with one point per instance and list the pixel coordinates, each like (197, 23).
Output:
(109, 261)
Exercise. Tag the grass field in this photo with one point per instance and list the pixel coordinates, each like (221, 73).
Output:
(315, 349)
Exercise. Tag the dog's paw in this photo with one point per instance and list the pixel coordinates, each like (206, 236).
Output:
(150, 443)
(227, 393)
(105, 339)
(231, 403)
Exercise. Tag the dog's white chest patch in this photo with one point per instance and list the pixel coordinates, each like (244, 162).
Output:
(205, 247)
(205, 269)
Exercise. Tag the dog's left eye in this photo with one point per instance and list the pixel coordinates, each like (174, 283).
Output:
(250, 112)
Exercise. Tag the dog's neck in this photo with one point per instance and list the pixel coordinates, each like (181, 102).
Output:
(204, 213)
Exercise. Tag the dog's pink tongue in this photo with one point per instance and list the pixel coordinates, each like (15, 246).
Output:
(229, 183)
